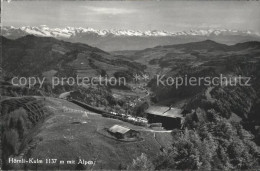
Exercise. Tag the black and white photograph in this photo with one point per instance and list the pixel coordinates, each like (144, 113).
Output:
(129, 85)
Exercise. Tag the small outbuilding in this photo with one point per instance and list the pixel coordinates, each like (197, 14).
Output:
(122, 132)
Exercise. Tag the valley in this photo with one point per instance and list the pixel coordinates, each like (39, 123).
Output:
(44, 123)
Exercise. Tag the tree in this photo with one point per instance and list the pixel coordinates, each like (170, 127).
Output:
(140, 109)
(141, 163)
(217, 145)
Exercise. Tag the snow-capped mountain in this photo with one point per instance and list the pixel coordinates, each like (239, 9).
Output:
(73, 31)
(129, 39)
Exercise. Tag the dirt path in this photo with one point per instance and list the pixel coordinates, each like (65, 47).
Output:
(208, 95)
(147, 94)
(154, 135)
(154, 131)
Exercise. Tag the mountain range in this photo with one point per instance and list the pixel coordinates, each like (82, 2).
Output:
(116, 40)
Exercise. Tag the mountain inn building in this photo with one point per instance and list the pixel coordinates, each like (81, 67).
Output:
(169, 117)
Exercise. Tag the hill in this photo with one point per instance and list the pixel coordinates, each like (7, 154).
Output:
(44, 56)
(70, 132)
(163, 59)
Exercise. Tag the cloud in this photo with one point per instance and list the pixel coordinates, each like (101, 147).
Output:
(113, 11)
(205, 25)
(198, 25)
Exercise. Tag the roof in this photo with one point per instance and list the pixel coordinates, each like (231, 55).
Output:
(119, 129)
(165, 111)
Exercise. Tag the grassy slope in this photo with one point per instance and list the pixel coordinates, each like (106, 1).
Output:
(66, 141)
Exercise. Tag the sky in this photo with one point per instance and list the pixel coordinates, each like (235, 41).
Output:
(135, 15)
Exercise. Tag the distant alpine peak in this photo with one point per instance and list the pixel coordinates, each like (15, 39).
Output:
(69, 32)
